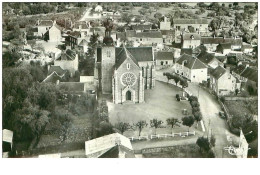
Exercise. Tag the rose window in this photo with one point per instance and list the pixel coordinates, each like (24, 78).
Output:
(128, 79)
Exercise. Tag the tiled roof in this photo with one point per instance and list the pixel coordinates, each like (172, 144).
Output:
(101, 145)
(46, 23)
(219, 40)
(190, 21)
(191, 62)
(57, 69)
(67, 55)
(73, 86)
(218, 72)
(52, 78)
(163, 55)
(122, 56)
(141, 27)
(206, 57)
(191, 36)
(139, 53)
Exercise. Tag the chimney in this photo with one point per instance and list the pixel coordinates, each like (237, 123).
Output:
(165, 19)
(80, 27)
(57, 82)
(49, 67)
(214, 36)
(228, 69)
(54, 22)
(38, 22)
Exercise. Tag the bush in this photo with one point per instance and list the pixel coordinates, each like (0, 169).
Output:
(195, 109)
(195, 104)
(177, 96)
(193, 98)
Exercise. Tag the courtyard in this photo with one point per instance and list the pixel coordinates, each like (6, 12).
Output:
(160, 103)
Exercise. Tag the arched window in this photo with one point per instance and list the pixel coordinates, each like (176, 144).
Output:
(128, 66)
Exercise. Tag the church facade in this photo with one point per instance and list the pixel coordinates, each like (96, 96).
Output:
(124, 72)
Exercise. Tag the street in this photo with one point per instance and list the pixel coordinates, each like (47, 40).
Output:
(213, 123)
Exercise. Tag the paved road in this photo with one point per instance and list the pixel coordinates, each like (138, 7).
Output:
(210, 109)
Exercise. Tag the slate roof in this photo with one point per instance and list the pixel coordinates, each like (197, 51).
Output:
(163, 55)
(206, 57)
(239, 69)
(67, 55)
(83, 25)
(130, 33)
(189, 36)
(57, 69)
(167, 32)
(225, 45)
(115, 151)
(75, 34)
(218, 72)
(57, 26)
(122, 56)
(46, 23)
(121, 35)
(219, 40)
(150, 34)
(191, 62)
(139, 53)
(73, 86)
(251, 74)
(187, 51)
(52, 78)
(141, 27)
(190, 21)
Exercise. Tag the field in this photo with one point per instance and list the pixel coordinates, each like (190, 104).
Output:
(242, 107)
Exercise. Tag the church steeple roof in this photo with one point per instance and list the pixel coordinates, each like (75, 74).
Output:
(123, 55)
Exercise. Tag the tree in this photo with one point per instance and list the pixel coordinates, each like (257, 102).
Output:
(188, 121)
(203, 143)
(173, 122)
(140, 125)
(122, 126)
(10, 58)
(183, 83)
(197, 117)
(104, 128)
(155, 123)
(236, 91)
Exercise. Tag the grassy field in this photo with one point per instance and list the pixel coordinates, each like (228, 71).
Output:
(242, 107)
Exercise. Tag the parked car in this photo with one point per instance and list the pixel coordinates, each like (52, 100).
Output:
(222, 115)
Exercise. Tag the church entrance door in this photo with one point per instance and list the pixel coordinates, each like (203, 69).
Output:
(128, 95)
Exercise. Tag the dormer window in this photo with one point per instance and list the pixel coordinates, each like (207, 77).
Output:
(128, 66)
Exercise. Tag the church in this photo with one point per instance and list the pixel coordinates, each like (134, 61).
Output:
(124, 72)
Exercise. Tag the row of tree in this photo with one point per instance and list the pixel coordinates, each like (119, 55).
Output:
(177, 79)
(155, 123)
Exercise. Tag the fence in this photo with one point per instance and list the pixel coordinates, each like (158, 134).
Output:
(183, 134)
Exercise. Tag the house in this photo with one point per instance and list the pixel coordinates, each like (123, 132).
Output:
(222, 82)
(53, 78)
(164, 58)
(224, 48)
(80, 26)
(74, 38)
(196, 25)
(109, 146)
(7, 142)
(209, 60)
(68, 60)
(190, 40)
(150, 38)
(43, 26)
(141, 27)
(247, 48)
(83, 45)
(54, 33)
(168, 36)
(165, 24)
(191, 68)
(98, 8)
(211, 43)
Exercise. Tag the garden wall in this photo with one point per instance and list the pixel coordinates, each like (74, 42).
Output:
(241, 98)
